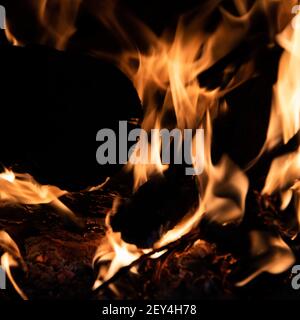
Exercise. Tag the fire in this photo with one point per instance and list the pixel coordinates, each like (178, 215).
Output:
(285, 116)
(11, 258)
(58, 18)
(269, 254)
(54, 19)
(284, 177)
(284, 174)
(115, 252)
(10, 37)
(171, 69)
(22, 188)
(223, 200)
(165, 76)
(144, 168)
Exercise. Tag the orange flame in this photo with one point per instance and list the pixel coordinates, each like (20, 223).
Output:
(11, 258)
(169, 70)
(115, 252)
(22, 188)
(55, 20)
(285, 119)
(273, 255)
(285, 116)
(269, 254)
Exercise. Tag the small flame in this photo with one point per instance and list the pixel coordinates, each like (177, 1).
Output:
(269, 254)
(22, 188)
(284, 178)
(11, 258)
(55, 20)
(115, 252)
(11, 38)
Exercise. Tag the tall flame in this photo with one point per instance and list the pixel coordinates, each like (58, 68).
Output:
(167, 84)
(285, 115)
(283, 176)
(285, 118)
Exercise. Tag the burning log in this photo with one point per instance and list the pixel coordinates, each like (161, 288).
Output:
(53, 104)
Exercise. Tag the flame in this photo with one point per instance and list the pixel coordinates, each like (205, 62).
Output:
(283, 174)
(273, 255)
(284, 178)
(169, 71)
(269, 254)
(22, 188)
(11, 258)
(115, 252)
(285, 115)
(165, 74)
(285, 119)
(143, 167)
(10, 37)
(223, 202)
(58, 18)
(165, 77)
(55, 20)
